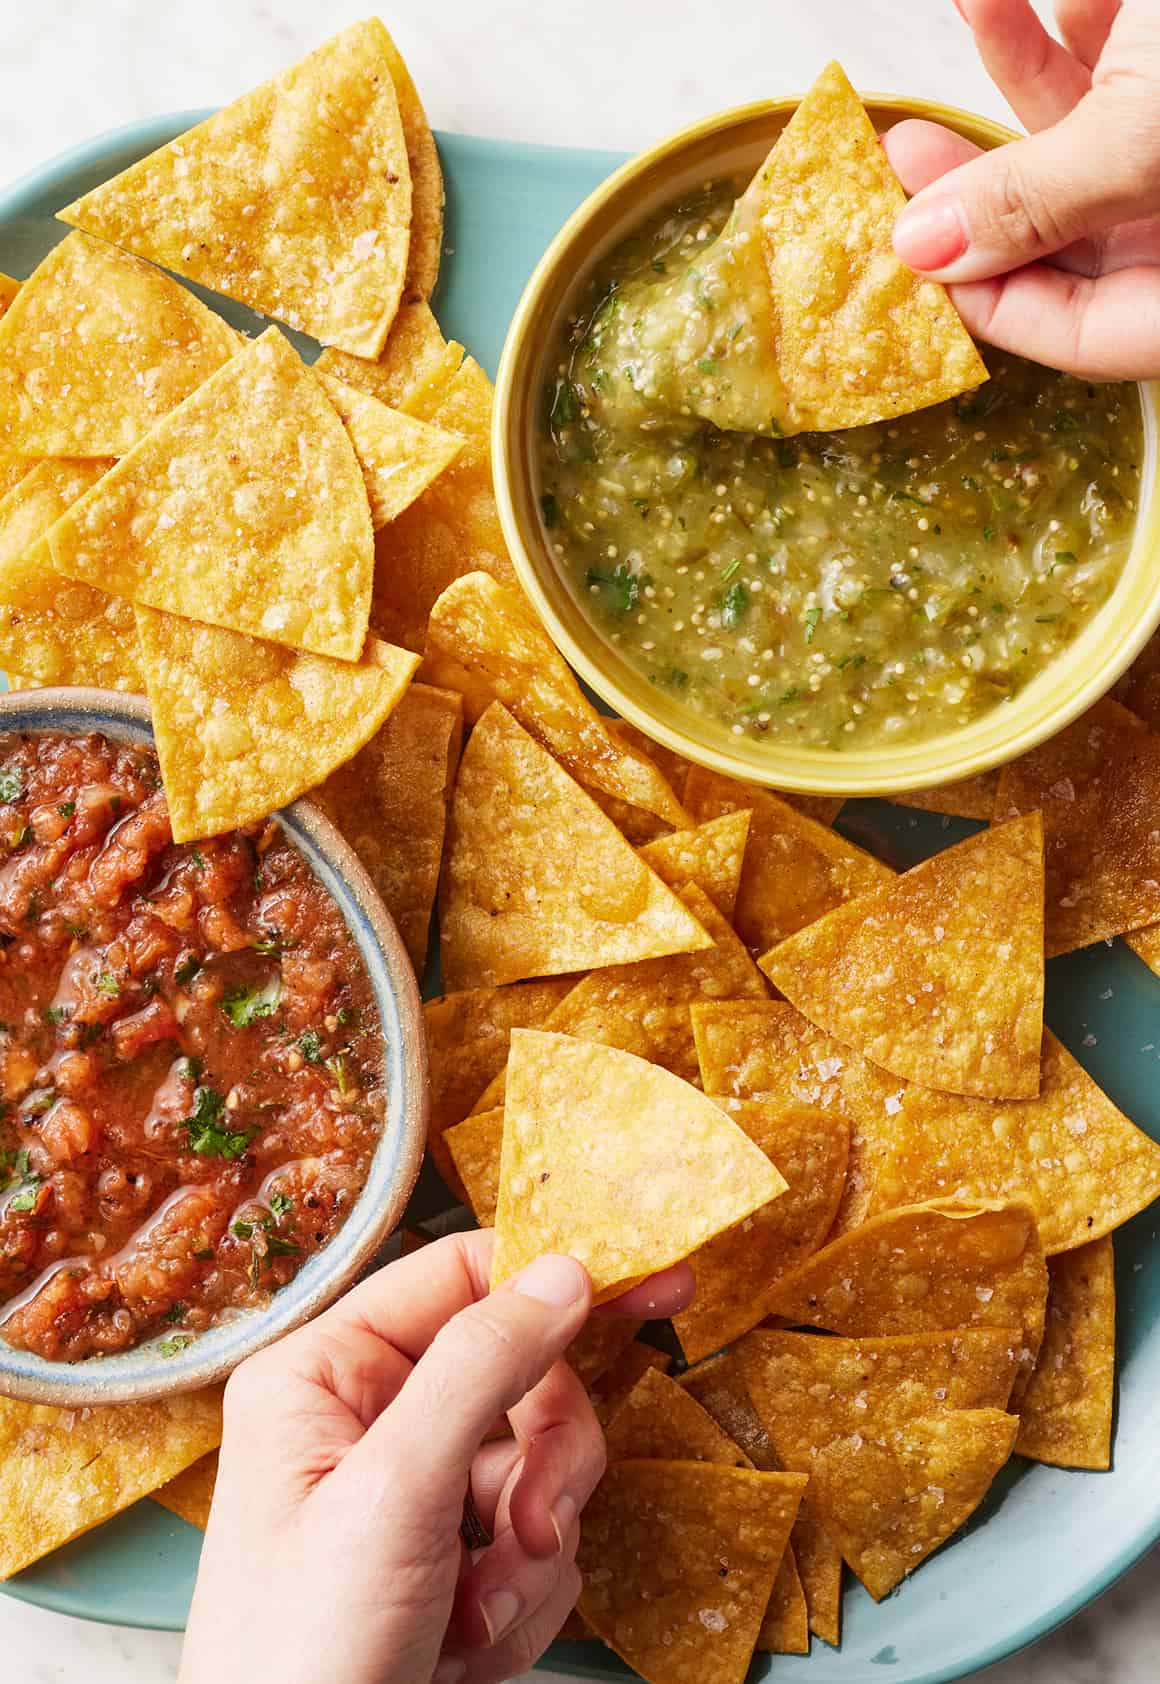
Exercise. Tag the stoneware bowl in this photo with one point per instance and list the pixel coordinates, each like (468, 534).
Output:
(144, 1372)
(733, 143)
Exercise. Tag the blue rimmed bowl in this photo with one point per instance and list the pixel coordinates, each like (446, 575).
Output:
(145, 1372)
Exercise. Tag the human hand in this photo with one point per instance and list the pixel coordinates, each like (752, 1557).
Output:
(333, 1553)
(1083, 190)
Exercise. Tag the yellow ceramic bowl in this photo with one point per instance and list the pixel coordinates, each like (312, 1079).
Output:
(734, 142)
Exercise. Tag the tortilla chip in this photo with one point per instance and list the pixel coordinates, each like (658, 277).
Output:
(467, 1045)
(719, 1387)
(451, 530)
(970, 798)
(495, 636)
(937, 976)
(537, 881)
(244, 508)
(923, 1268)
(679, 1559)
(415, 365)
(244, 727)
(64, 1471)
(660, 1421)
(475, 1147)
(795, 868)
(190, 1495)
(615, 1162)
(711, 855)
(57, 631)
(295, 199)
(1072, 1154)
(1097, 785)
(426, 176)
(600, 1343)
(610, 1389)
(673, 767)
(736, 1271)
(399, 456)
(98, 347)
(9, 287)
(1066, 1412)
(391, 800)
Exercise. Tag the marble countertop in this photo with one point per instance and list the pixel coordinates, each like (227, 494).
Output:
(71, 68)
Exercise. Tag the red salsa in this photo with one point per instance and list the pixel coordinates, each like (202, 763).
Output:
(191, 1085)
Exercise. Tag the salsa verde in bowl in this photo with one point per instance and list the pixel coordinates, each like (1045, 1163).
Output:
(856, 612)
(212, 1064)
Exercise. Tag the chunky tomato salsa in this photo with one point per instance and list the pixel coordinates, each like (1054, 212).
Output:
(190, 1058)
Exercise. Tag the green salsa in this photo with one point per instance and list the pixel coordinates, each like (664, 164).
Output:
(846, 589)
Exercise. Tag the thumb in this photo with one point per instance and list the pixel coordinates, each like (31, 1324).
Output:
(479, 1365)
(1093, 169)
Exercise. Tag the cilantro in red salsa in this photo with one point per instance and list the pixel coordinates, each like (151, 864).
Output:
(190, 1058)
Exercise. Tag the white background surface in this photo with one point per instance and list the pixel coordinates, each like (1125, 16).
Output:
(614, 73)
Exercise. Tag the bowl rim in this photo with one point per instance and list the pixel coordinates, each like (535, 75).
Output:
(142, 1373)
(855, 773)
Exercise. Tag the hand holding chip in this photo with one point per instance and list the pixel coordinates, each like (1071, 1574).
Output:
(1080, 192)
(333, 1551)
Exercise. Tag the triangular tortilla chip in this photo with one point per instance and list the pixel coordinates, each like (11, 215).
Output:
(970, 798)
(736, 1271)
(390, 802)
(537, 880)
(96, 348)
(1066, 1412)
(616, 1162)
(415, 366)
(245, 507)
(64, 1471)
(938, 976)
(609, 1390)
(679, 1559)
(244, 727)
(924, 1268)
(426, 176)
(475, 1148)
(1097, 785)
(673, 766)
(467, 1045)
(710, 855)
(294, 199)
(190, 1495)
(56, 630)
(720, 1387)
(399, 456)
(795, 868)
(495, 636)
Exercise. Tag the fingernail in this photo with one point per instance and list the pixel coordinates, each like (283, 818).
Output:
(929, 236)
(562, 1515)
(558, 1281)
(449, 1671)
(499, 1612)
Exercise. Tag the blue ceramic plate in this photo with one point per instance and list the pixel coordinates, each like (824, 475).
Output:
(1046, 1541)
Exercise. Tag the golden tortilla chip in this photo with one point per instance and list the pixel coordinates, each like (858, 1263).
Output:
(426, 176)
(96, 348)
(190, 1495)
(615, 1162)
(64, 1471)
(245, 508)
(609, 1390)
(494, 635)
(711, 855)
(415, 365)
(1097, 785)
(294, 199)
(924, 1268)
(451, 530)
(55, 630)
(390, 802)
(600, 1343)
(9, 287)
(720, 1388)
(537, 881)
(1072, 1154)
(679, 1559)
(467, 1045)
(475, 1147)
(737, 1270)
(661, 1421)
(795, 868)
(673, 767)
(1066, 1414)
(937, 976)
(244, 727)
(399, 456)
(970, 798)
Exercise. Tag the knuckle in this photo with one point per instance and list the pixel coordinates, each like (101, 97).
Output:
(1022, 213)
(483, 1341)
